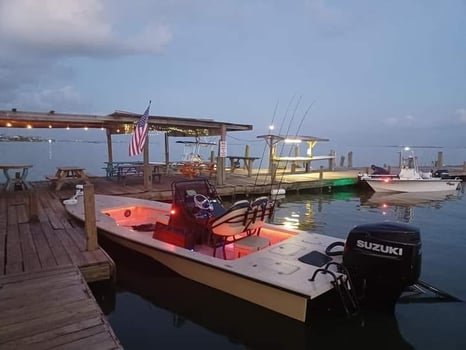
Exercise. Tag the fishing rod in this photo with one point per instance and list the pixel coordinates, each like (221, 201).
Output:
(273, 171)
(265, 147)
(279, 131)
(296, 134)
(289, 124)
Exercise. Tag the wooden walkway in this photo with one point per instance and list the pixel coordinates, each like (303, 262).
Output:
(52, 309)
(52, 240)
(235, 184)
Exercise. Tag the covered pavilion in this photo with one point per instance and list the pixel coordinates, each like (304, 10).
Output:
(122, 122)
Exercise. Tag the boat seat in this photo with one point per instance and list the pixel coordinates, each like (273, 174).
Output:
(261, 209)
(225, 227)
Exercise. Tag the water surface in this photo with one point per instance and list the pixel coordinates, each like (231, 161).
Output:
(153, 308)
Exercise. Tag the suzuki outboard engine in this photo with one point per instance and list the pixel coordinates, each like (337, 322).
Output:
(382, 259)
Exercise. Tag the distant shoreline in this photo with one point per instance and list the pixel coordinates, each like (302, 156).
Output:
(17, 138)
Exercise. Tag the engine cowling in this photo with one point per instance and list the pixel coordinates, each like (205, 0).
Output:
(382, 259)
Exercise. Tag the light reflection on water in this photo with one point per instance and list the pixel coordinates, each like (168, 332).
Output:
(154, 309)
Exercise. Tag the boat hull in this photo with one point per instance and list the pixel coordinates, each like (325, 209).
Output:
(421, 185)
(268, 296)
(272, 277)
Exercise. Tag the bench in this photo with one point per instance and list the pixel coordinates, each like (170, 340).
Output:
(52, 179)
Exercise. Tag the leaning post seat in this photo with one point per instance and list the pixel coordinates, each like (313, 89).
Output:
(231, 223)
(261, 209)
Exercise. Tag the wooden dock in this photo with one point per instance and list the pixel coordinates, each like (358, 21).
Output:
(52, 308)
(44, 270)
(236, 184)
(50, 241)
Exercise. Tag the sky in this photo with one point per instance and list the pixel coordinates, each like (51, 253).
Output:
(360, 72)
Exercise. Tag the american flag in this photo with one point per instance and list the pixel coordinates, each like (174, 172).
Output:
(140, 134)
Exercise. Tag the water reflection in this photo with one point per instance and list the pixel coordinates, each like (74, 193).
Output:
(194, 309)
(402, 205)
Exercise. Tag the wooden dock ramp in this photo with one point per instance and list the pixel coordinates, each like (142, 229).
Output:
(52, 309)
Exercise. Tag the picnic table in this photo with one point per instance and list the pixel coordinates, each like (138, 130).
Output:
(19, 180)
(111, 168)
(68, 174)
(123, 170)
(248, 161)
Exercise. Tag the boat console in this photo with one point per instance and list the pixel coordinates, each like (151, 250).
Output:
(198, 217)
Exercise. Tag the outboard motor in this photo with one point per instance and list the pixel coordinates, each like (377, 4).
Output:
(382, 259)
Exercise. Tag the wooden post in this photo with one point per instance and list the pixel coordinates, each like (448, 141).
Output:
(221, 157)
(439, 159)
(247, 154)
(293, 163)
(212, 156)
(271, 156)
(167, 152)
(89, 217)
(273, 175)
(321, 172)
(147, 170)
(350, 159)
(109, 145)
(33, 206)
(342, 161)
(331, 161)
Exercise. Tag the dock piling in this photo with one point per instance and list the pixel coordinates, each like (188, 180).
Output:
(89, 213)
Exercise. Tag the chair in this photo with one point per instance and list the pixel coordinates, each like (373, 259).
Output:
(225, 227)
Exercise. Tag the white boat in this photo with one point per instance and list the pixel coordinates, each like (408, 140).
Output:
(291, 272)
(410, 179)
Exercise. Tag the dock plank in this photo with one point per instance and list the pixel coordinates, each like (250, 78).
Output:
(44, 252)
(14, 260)
(56, 246)
(31, 260)
(54, 337)
(65, 316)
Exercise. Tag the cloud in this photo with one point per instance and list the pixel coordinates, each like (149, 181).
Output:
(461, 115)
(73, 28)
(37, 37)
(62, 99)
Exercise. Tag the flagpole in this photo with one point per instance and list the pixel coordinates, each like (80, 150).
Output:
(147, 170)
